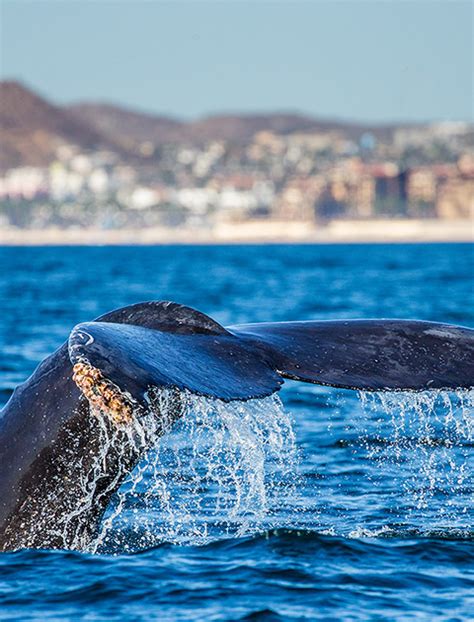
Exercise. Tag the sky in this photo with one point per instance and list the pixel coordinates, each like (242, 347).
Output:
(382, 61)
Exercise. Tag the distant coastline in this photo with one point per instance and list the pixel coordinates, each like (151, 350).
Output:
(251, 232)
(95, 167)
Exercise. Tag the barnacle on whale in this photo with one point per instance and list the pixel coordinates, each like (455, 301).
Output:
(102, 393)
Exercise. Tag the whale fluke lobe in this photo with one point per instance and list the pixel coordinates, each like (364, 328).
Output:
(221, 366)
(68, 429)
(251, 361)
(370, 355)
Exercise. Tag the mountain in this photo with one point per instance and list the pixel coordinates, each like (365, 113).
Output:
(31, 128)
(131, 128)
(241, 128)
(128, 128)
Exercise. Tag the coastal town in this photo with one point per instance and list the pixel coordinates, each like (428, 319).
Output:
(311, 175)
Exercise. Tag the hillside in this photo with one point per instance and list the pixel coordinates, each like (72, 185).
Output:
(31, 128)
(131, 128)
(128, 128)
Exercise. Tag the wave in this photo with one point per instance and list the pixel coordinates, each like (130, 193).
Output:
(361, 541)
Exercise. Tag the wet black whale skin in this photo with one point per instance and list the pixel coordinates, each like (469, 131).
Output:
(184, 348)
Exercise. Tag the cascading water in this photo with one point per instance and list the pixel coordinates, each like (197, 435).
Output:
(225, 469)
(230, 469)
(425, 441)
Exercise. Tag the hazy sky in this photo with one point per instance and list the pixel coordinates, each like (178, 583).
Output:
(375, 60)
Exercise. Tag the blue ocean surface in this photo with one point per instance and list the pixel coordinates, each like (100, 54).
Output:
(320, 504)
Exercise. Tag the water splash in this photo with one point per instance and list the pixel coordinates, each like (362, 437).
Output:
(427, 437)
(226, 469)
(230, 469)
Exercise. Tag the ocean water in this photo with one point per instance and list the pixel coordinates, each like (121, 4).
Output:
(320, 504)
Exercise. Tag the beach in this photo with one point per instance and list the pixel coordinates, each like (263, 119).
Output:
(252, 232)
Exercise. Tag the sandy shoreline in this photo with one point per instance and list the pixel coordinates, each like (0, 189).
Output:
(253, 232)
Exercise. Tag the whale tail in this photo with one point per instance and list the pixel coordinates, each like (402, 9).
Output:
(161, 344)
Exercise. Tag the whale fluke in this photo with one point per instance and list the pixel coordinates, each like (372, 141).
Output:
(65, 433)
(184, 348)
